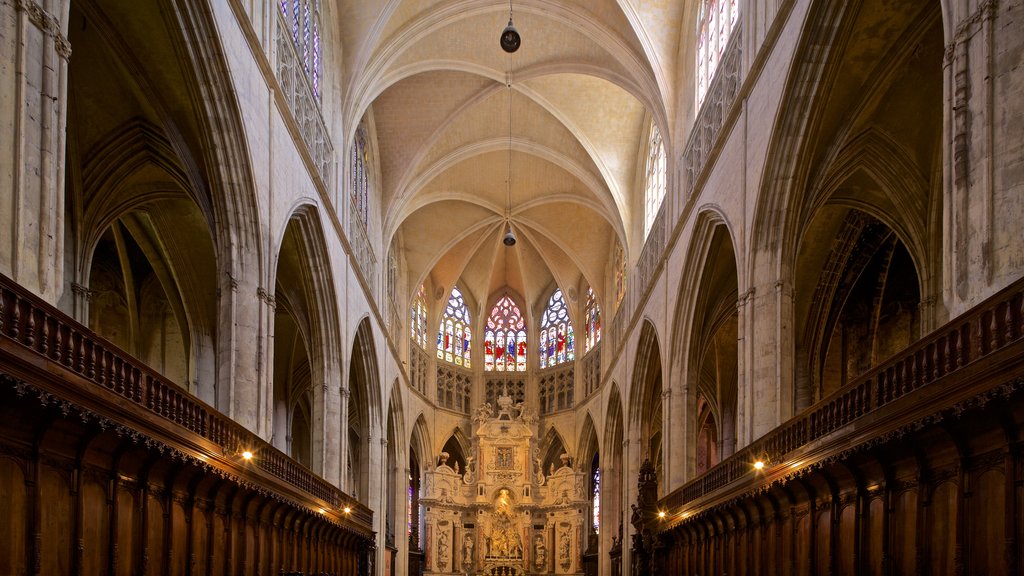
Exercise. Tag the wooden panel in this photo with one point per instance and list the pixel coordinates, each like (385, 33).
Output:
(128, 531)
(940, 529)
(847, 541)
(874, 538)
(12, 521)
(57, 518)
(904, 532)
(987, 510)
(95, 527)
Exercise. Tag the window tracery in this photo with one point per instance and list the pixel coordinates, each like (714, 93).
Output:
(715, 23)
(505, 338)
(593, 315)
(454, 334)
(418, 318)
(656, 179)
(303, 19)
(360, 177)
(556, 334)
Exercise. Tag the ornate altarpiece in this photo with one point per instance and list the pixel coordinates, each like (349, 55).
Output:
(502, 515)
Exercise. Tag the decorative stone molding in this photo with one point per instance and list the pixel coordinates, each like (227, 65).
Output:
(48, 23)
(304, 106)
(556, 388)
(453, 387)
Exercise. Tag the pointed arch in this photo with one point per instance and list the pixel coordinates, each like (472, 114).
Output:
(306, 314)
(645, 400)
(551, 449)
(364, 411)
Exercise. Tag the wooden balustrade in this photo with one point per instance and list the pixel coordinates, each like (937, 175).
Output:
(52, 337)
(967, 340)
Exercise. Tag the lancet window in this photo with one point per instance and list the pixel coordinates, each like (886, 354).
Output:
(715, 23)
(505, 338)
(303, 20)
(454, 334)
(656, 180)
(418, 318)
(593, 312)
(556, 335)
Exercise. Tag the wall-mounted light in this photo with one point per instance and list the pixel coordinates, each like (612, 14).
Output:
(247, 455)
(661, 514)
(759, 465)
(347, 510)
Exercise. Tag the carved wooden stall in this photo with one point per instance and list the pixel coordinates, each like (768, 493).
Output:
(914, 468)
(502, 515)
(108, 468)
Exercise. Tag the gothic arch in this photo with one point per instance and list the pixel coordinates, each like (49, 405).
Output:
(645, 400)
(364, 413)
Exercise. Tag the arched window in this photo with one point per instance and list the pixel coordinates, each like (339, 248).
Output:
(303, 20)
(505, 338)
(360, 177)
(418, 318)
(655, 172)
(453, 335)
(556, 336)
(714, 25)
(593, 312)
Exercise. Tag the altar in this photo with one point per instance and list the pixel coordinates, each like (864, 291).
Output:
(502, 515)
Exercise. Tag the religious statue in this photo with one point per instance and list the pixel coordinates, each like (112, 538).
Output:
(564, 546)
(504, 541)
(442, 549)
(484, 412)
(469, 477)
(538, 466)
(467, 550)
(540, 552)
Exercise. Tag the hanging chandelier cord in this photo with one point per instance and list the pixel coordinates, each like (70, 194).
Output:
(508, 180)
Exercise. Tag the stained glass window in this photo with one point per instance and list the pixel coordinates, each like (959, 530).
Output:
(505, 338)
(454, 334)
(593, 312)
(303, 20)
(360, 177)
(715, 24)
(655, 191)
(556, 336)
(418, 318)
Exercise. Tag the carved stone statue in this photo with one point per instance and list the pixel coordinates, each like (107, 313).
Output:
(467, 550)
(483, 412)
(470, 476)
(540, 552)
(442, 549)
(564, 550)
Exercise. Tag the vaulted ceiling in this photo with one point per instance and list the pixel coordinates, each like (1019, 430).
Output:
(590, 77)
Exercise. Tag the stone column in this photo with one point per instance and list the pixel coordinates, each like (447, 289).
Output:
(343, 447)
(983, 152)
(245, 352)
(766, 394)
(34, 53)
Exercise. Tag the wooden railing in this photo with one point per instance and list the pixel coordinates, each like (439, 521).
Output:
(975, 336)
(59, 342)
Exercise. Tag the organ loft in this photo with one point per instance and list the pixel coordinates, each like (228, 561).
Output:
(503, 514)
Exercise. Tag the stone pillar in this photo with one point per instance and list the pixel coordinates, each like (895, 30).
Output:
(343, 447)
(766, 391)
(245, 352)
(34, 53)
(983, 152)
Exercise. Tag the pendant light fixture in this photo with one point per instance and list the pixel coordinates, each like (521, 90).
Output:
(510, 39)
(509, 43)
